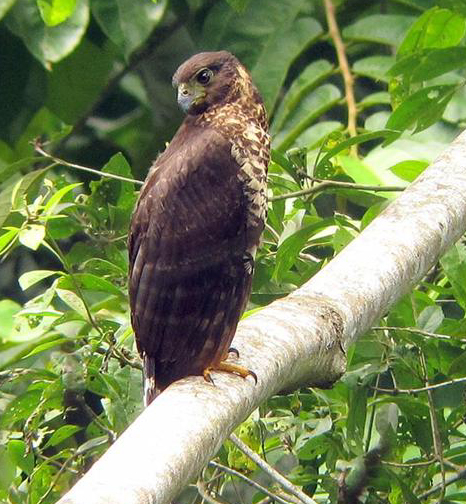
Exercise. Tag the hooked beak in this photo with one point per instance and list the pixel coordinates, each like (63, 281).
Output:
(190, 96)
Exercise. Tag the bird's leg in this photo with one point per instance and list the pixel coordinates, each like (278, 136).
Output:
(229, 368)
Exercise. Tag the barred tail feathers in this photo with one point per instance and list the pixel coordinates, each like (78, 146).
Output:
(150, 388)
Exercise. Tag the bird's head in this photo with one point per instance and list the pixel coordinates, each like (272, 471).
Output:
(207, 79)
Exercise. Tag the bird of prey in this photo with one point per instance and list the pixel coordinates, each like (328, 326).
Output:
(197, 225)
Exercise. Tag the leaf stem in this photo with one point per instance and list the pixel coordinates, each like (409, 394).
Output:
(421, 332)
(54, 246)
(273, 473)
(427, 388)
(436, 439)
(345, 70)
(38, 148)
(251, 482)
(335, 184)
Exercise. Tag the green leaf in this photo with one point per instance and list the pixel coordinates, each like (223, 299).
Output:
(256, 36)
(270, 78)
(421, 109)
(458, 6)
(381, 28)
(375, 67)
(238, 5)
(102, 267)
(454, 266)
(357, 410)
(62, 433)
(315, 135)
(43, 124)
(409, 170)
(372, 213)
(128, 23)
(57, 197)
(11, 169)
(311, 76)
(54, 12)
(364, 137)
(430, 63)
(13, 195)
(7, 474)
(340, 239)
(32, 236)
(70, 91)
(6, 239)
(289, 249)
(430, 318)
(91, 444)
(408, 496)
(308, 111)
(90, 282)
(379, 98)
(5, 5)
(363, 173)
(30, 278)
(73, 301)
(17, 451)
(48, 44)
(8, 309)
(436, 28)
(387, 418)
(41, 481)
(20, 408)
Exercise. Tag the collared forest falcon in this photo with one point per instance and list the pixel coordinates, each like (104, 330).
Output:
(197, 225)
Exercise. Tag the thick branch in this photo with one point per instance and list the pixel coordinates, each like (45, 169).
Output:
(293, 342)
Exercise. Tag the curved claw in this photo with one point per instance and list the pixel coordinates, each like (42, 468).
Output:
(207, 376)
(233, 351)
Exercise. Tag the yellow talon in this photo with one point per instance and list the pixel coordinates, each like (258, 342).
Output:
(229, 368)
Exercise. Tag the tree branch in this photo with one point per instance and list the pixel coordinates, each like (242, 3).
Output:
(248, 481)
(296, 341)
(427, 388)
(345, 70)
(273, 473)
(335, 184)
(39, 149)
(421, 332)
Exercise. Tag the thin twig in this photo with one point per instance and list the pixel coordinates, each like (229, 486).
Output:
(204, 493)
(427, 388)
(55, 479)
(437, 441)
(345, 70)
(442, 485)
(335, 184)
(410, 464)
(55, 248)
(111, 435)
(372, 415)
(249, 481)
(421, 332)
(38, 148)
(273, 473)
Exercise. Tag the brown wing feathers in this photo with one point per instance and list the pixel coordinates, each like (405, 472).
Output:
(190, 240)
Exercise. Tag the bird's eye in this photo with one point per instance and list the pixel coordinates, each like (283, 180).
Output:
(204, 76)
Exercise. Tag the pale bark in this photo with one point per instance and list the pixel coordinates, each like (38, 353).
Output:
(296, 341)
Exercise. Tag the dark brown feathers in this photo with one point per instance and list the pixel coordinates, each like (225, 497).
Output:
(197, 224)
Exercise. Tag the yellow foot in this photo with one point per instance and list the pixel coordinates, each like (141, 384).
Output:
(229, 368)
